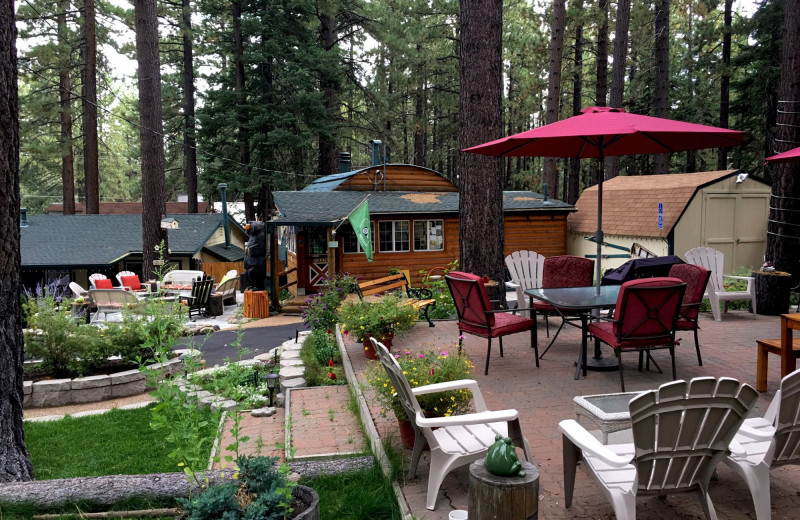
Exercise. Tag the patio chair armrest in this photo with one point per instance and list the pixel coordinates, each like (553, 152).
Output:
(512, 285)
(469, 418)
(585, 441)
(471, 384)
(757, 434)
(732, 277)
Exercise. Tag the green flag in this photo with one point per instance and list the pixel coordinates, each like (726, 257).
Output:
(359, 218)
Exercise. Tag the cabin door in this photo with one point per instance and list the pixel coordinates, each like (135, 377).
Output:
(317, 259)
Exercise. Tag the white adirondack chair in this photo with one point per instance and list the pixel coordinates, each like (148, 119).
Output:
(456, 440)
(77, 290)
(124, 273)
(714, 261)
(96, 276)
(680, 433)
(525, 268)
(767, 442)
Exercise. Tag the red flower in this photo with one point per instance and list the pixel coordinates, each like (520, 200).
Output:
(330, 331)
(330, 363)
(331, 375)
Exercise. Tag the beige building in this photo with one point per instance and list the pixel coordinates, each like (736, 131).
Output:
(721, 209)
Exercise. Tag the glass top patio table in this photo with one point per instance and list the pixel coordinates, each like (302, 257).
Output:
(583, 301)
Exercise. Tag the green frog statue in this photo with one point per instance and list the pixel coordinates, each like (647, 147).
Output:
(502, 460)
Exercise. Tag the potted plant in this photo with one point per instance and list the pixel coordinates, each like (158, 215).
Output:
(382, 318)
(259, 491)
(423, 368)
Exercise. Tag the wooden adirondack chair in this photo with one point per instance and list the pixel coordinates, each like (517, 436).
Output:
(525, 268)
(456, 440)
(680, 433)
(714, 261)
(766, 442)
(197, 301)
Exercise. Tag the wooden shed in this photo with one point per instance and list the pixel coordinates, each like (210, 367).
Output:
(726, 210)
(415, 223)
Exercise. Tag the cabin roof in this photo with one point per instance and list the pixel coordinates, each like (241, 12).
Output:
(331, 182)
(321, 208)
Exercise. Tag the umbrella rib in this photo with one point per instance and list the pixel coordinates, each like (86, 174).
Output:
(670, 150)
(526, 143)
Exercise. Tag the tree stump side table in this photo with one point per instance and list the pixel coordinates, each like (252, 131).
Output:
(509, 498)
(772, 292)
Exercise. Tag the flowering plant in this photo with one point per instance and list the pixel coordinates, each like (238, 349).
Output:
(425, 368)
(377, 318)
(320, 311)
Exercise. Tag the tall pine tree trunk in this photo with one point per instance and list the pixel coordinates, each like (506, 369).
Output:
(89, 100)
(480, 108)
(420, 123)
(550, 174)
(330, 91)
(661, 99)
(618, 71)
(150, 132)
(601, 67)
(189, 142)
(783, 231)
(67, 156)
(574, 176)
(241, 108)
(15, 464)
(725, 83)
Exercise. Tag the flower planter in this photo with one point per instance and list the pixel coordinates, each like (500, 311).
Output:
(369, 351)
(407, 434)
(309, 499)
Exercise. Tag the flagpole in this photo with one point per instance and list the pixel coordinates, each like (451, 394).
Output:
(348, 215)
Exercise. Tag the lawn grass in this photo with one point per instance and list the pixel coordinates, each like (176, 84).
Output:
(362, 495)
(120, 442)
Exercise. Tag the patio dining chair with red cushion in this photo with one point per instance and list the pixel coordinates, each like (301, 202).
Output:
(562, 271)
(696, 279)
(476, 316)
(644, 319)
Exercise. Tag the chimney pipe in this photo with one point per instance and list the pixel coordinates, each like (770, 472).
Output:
(223, 195)
(544, 190)
(23, 217)
(344, 162)
(376, 152)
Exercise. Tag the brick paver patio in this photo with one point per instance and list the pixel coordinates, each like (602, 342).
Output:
(544, 397)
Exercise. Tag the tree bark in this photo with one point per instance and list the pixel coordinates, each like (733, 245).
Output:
(189, 141)
(661, 98)
(618, 71)
(725, 82)
(15, 464)
(480, 107)
(150, 132)
(89, 101)
(67, 156)
(574, 176)
(602, 56)
(783, 235)
(550, 174)
(421, 123)
(241, 114)
(330, 91)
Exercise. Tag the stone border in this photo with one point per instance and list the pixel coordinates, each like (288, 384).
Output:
(91, 389)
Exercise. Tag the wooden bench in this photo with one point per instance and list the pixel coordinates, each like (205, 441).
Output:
(773, 346)
(420, 299)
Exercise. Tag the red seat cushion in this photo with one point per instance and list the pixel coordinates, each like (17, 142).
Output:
(604, 331)
(132, 282)
(504, 324)
(103, 283)
(685, 324)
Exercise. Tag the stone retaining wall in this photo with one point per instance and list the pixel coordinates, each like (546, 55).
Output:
(62, 392)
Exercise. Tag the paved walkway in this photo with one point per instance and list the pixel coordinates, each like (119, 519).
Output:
(544, 397)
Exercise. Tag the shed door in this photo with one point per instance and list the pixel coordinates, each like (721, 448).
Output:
(736, 225)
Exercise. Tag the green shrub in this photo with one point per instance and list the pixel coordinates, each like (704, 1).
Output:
(318, 350)
(320, 311)
(377, 318)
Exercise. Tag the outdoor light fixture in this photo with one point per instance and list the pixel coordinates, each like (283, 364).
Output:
(272, 383)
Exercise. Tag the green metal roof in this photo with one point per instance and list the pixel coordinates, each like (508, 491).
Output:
(100, 240)
(317, 208)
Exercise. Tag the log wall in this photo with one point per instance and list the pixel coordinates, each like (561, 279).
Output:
(403, 177)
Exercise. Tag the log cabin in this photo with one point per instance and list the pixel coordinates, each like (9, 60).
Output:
(414, 218)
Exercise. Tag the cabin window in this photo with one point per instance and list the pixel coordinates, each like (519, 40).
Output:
(428, 235)
(349, 242)
(287, 237)
(394, 236)
(317, 241)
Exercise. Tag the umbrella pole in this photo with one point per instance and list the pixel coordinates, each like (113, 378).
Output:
(598, 235)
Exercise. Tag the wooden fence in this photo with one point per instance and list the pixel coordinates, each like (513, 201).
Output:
(218, 269)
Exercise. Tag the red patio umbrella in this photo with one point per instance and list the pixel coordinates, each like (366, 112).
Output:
(599, 132)
(792, 155)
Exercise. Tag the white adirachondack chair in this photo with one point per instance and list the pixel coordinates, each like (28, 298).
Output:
(766, 442)
(124, 273)
(525, 268)
(77, 290)
(456, 440)
(680, 433)
(714, 261)
(96, 276)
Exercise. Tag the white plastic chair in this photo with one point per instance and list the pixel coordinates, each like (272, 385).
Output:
(124, 273)
(680, 433)
(766, 442)
(77, 290)
(525, 268)
(714, 261)
(96, 276)
(456, 440)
